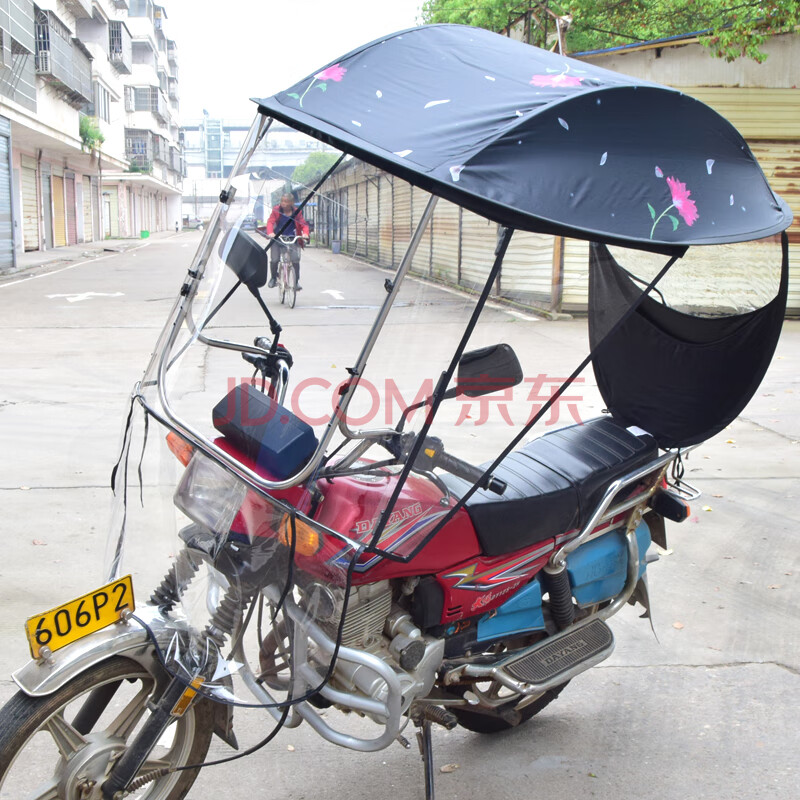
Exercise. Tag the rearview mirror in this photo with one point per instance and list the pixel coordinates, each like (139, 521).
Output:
(246, 257)
(487, 370)
(479, 372)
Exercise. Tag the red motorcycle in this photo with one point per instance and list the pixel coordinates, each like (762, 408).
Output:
(322, 566)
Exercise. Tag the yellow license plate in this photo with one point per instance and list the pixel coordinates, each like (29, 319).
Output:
(66, 624)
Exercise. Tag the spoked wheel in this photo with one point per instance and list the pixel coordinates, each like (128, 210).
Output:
(61, 747)
(291, 286)
(281, 282)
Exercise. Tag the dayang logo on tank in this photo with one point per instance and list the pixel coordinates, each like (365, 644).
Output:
(397, 517)
(402, 523)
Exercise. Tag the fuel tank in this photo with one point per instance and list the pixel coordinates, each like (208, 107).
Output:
(352, 505)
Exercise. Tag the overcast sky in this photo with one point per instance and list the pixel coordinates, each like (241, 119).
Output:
(231, 50)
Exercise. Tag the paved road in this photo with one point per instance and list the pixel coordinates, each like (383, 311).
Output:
(706, 711)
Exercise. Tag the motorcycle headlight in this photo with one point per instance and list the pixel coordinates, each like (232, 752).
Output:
(209, 495)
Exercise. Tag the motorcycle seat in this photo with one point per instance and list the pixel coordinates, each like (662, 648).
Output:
(554, 483)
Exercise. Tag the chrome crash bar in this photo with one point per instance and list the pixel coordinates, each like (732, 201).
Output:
(377, 690)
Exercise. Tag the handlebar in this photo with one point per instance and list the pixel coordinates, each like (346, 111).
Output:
(289, 239)
(432, 454)
(468, 472)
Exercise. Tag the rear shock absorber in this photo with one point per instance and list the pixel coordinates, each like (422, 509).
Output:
(557, 583)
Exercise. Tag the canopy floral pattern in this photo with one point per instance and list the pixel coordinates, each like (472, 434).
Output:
(537, 141)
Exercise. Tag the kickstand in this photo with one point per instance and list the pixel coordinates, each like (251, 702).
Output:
(425, 740)
(423, 715)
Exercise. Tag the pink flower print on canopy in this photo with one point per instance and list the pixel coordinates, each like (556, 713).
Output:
(334, 73)
(680, 199)
(562, 79)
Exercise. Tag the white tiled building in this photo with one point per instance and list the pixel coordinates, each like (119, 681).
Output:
(108, 63)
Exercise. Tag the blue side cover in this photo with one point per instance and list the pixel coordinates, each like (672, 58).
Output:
(597, 569)
(523, 612)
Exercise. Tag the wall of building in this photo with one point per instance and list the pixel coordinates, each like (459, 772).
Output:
(56, 187)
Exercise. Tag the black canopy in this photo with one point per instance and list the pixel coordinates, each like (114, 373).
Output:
(538, 141)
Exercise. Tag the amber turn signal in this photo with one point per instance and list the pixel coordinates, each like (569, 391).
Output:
(308, 542)
(181, 449)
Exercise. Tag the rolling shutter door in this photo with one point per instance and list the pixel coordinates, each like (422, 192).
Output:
(88, 234)
(30, 212)
(373, 220)
(113, 201)
(72, 218)
(575, 295)
(780, 161)
(47, 204)
(446, 241)
(421, 265)
(6, 238)
(385, 214)
(96, 211)
(527, 273)
(478, 241)
(59, 219)
(401, 218)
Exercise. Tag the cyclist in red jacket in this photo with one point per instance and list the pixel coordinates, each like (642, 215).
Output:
(284, 214)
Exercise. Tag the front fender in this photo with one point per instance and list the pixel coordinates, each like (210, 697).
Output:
(39, 678)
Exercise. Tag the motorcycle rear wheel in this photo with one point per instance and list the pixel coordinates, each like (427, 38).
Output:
(50, 749)
(506, 716)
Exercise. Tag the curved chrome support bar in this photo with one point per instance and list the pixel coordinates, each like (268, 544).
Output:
(558, 559)
(337, 421)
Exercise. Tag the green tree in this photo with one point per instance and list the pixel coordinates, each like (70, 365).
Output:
(89, 131)
(313, 168)
(733, 28)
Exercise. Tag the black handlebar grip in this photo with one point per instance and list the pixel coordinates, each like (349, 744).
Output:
(464, 470)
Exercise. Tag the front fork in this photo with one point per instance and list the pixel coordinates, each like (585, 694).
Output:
(179, 693)
(127, 767)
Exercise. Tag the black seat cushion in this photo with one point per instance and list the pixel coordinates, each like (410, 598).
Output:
(553, 484)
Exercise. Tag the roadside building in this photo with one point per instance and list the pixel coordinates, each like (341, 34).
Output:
(147, 195)
(211, 146)
(66, 169)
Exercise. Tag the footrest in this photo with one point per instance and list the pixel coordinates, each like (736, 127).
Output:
(563, 655)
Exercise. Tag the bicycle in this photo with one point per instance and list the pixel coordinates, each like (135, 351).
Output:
(287, 275)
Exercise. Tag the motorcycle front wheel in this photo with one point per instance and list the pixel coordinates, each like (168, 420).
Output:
(61, 746)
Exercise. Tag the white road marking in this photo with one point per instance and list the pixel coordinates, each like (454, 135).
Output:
(79, 297)
(334, 293)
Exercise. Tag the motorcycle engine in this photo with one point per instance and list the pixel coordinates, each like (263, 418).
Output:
(375, 624)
